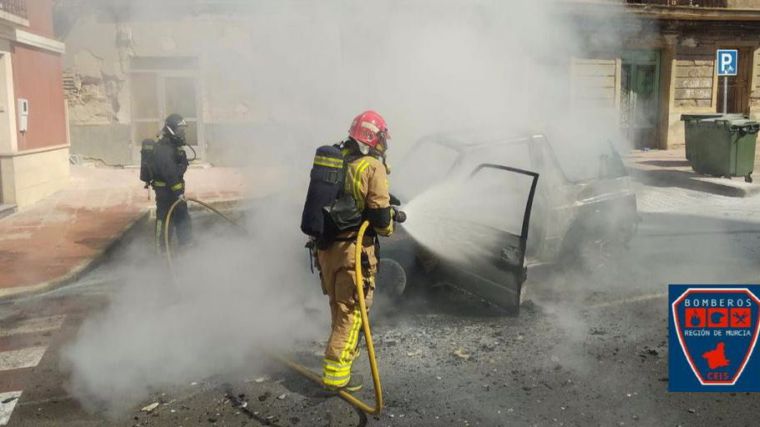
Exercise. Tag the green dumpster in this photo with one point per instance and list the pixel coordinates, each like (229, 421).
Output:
(721, 145)
(690, 123)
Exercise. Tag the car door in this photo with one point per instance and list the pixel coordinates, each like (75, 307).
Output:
(492, 236)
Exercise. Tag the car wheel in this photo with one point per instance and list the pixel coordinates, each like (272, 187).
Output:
(391, 279)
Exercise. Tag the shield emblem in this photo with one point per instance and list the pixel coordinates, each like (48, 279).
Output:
(717, 329)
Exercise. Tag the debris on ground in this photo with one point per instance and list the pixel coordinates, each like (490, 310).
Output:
(647, 351)
(150, 407)
(260, 380)
(282, 396)
(461, 353)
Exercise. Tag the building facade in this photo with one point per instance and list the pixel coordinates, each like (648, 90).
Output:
(34, 148)
(664, 65)
(130, 63)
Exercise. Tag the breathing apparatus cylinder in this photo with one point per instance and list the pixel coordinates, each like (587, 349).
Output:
(147, 153)
(327, 176)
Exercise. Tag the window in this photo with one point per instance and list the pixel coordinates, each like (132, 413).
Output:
(162, 86)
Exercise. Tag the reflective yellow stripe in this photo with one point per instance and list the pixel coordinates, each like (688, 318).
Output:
(336, 382)
(327, 165)
(357, 190)
(353, 338)
(159, 184)
(336, 368)
(343, 377)
(328, 162)
(177, 186)
(342, 373)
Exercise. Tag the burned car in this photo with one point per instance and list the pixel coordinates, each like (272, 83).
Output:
(483, 211)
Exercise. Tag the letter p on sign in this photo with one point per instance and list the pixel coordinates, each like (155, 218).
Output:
(727, 62)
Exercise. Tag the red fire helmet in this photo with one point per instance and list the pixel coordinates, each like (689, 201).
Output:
(370, 128)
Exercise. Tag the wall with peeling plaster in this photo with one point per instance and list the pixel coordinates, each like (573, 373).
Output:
(97, 80)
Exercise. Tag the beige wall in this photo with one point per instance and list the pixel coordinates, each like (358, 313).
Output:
(29, 177)
(754, 100)
(693, 91)
(595, 82)
(744, 4)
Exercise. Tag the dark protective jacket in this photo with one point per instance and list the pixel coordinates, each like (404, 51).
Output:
(170, 162)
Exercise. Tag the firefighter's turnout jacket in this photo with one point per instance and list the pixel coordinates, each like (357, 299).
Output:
(367, 181)
(170, 164)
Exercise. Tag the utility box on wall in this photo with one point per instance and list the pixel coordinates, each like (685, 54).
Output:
(23, 115)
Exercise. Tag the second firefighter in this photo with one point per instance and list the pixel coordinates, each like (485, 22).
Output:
(169, 166)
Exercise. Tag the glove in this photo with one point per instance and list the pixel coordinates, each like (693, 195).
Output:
(399, 216)
(395, 200)
(182, 198)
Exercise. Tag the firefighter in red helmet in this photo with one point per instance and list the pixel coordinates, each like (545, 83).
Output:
(366, 180)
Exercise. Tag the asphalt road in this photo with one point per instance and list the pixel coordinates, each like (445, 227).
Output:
(585, 350)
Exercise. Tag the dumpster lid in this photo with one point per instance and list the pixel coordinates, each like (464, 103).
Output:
(743, 124)
(707, 116)
(740, 122)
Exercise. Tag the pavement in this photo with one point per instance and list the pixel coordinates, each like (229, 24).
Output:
(56, 240)
(669, 168)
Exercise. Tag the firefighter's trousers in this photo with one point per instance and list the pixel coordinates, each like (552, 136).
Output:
(180, 218)
(337, 271)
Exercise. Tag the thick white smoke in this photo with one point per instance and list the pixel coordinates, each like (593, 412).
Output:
(306, 69)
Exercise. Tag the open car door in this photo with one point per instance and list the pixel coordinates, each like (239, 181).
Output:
(492, 236)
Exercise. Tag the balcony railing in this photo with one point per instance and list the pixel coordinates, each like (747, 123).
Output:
(15, 7)
(687, 3)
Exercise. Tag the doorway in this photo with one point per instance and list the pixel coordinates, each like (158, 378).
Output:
(738, 85)
(157, 92)
(639, 97)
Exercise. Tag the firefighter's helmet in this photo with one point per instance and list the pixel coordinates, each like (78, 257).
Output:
(175, 125)
(369, 128)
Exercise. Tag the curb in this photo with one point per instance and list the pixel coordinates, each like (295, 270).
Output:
(89, 264)
(692, 181)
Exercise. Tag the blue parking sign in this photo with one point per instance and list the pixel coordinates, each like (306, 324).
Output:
(727, 62)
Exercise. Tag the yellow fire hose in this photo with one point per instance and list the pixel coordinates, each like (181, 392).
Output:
(345, 395)
(168, 221)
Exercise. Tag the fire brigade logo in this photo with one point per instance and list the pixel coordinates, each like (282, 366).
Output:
(713, 332)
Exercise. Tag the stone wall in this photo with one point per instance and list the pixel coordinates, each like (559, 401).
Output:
(754, 100)
(694, 81)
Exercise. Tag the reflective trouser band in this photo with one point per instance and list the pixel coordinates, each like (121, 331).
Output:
(336, 374)
(336, 381)
(159, 184)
